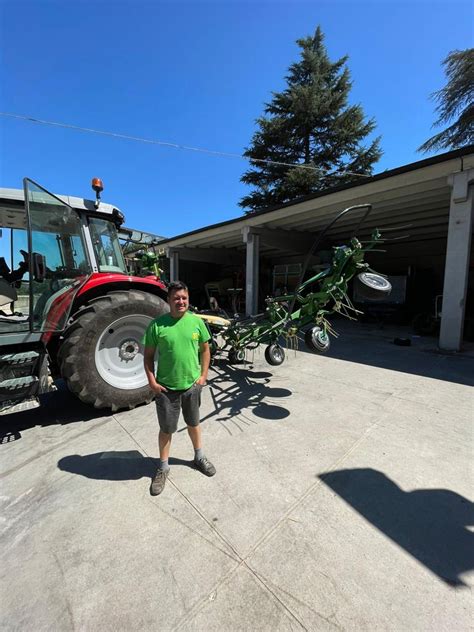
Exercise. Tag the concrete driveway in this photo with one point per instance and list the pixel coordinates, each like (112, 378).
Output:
(342, 500)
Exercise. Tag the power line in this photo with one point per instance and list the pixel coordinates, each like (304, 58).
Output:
(162, 143)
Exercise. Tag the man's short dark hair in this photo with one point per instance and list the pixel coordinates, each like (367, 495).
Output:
(175, 286)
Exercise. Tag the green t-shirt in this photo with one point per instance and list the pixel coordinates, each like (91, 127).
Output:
(178, 341)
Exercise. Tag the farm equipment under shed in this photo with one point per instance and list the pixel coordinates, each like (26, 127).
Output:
(307, 309)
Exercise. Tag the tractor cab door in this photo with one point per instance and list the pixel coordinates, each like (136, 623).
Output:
(57, 258)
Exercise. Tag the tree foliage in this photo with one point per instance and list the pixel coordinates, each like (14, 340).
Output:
(455, 101)
(310, 124)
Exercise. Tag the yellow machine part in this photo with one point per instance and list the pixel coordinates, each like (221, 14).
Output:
(214, 321)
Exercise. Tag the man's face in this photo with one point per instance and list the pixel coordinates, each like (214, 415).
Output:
(179, 303)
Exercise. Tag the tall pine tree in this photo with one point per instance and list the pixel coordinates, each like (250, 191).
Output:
(309, 124)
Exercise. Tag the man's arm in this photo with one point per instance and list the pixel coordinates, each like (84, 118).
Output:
(149, 364)
(205, 361)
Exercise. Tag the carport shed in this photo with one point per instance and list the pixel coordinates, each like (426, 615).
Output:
(434, 197)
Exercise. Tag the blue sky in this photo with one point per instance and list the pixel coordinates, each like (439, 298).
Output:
(197, 74)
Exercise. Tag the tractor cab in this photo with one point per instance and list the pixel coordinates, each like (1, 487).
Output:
(49, 247)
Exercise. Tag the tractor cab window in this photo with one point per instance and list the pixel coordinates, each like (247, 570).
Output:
(106, 244)
(43, 261)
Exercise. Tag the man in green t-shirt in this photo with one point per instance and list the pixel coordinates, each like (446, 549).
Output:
(181, 339)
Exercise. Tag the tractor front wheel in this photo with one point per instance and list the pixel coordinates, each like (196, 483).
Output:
(101, 356)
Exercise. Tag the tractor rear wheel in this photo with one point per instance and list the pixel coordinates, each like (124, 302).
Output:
(101, 356)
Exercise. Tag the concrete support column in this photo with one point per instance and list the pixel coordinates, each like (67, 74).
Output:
(174, 265)
(251, 270)
(457, 260)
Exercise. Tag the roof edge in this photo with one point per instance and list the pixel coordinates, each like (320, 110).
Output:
(413, 166)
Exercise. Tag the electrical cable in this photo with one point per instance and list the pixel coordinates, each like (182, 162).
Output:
(162, 143)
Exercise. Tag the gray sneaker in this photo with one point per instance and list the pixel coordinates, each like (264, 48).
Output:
(158, 482)
(205, 466)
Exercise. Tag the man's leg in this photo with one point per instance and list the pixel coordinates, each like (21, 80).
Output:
(164, 443)
(167, 408)
(195, 435)
(190, 402)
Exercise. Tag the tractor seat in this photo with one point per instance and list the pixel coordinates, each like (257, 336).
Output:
(8, 294)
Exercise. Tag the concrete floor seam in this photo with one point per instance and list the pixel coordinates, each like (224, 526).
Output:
(201, 603)
(196, 533)
(224, 580)
(299, 601)
(262, 581)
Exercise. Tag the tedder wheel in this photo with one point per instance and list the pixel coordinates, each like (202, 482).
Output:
(317, 340)
(373, 286)
(213, 346)
(236, 356)
(274, 355)
(101, 356)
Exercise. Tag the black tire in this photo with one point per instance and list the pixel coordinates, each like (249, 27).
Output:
(373, 286)
(100, 356)
(236, 356)
(275, 355)
(402, 342)
(317, 340)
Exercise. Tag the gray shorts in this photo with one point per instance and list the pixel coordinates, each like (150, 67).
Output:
(170, 403)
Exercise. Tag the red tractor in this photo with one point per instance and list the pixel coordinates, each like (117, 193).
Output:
(69, 307)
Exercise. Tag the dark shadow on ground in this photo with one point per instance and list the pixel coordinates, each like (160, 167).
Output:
(114, 466)
(57, 408)
(248, 392)
(430, 524)
(364, 344)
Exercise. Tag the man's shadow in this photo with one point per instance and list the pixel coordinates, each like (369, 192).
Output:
(430, 524)
(114, 466)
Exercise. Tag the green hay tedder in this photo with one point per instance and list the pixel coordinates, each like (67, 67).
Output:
(306, 311)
